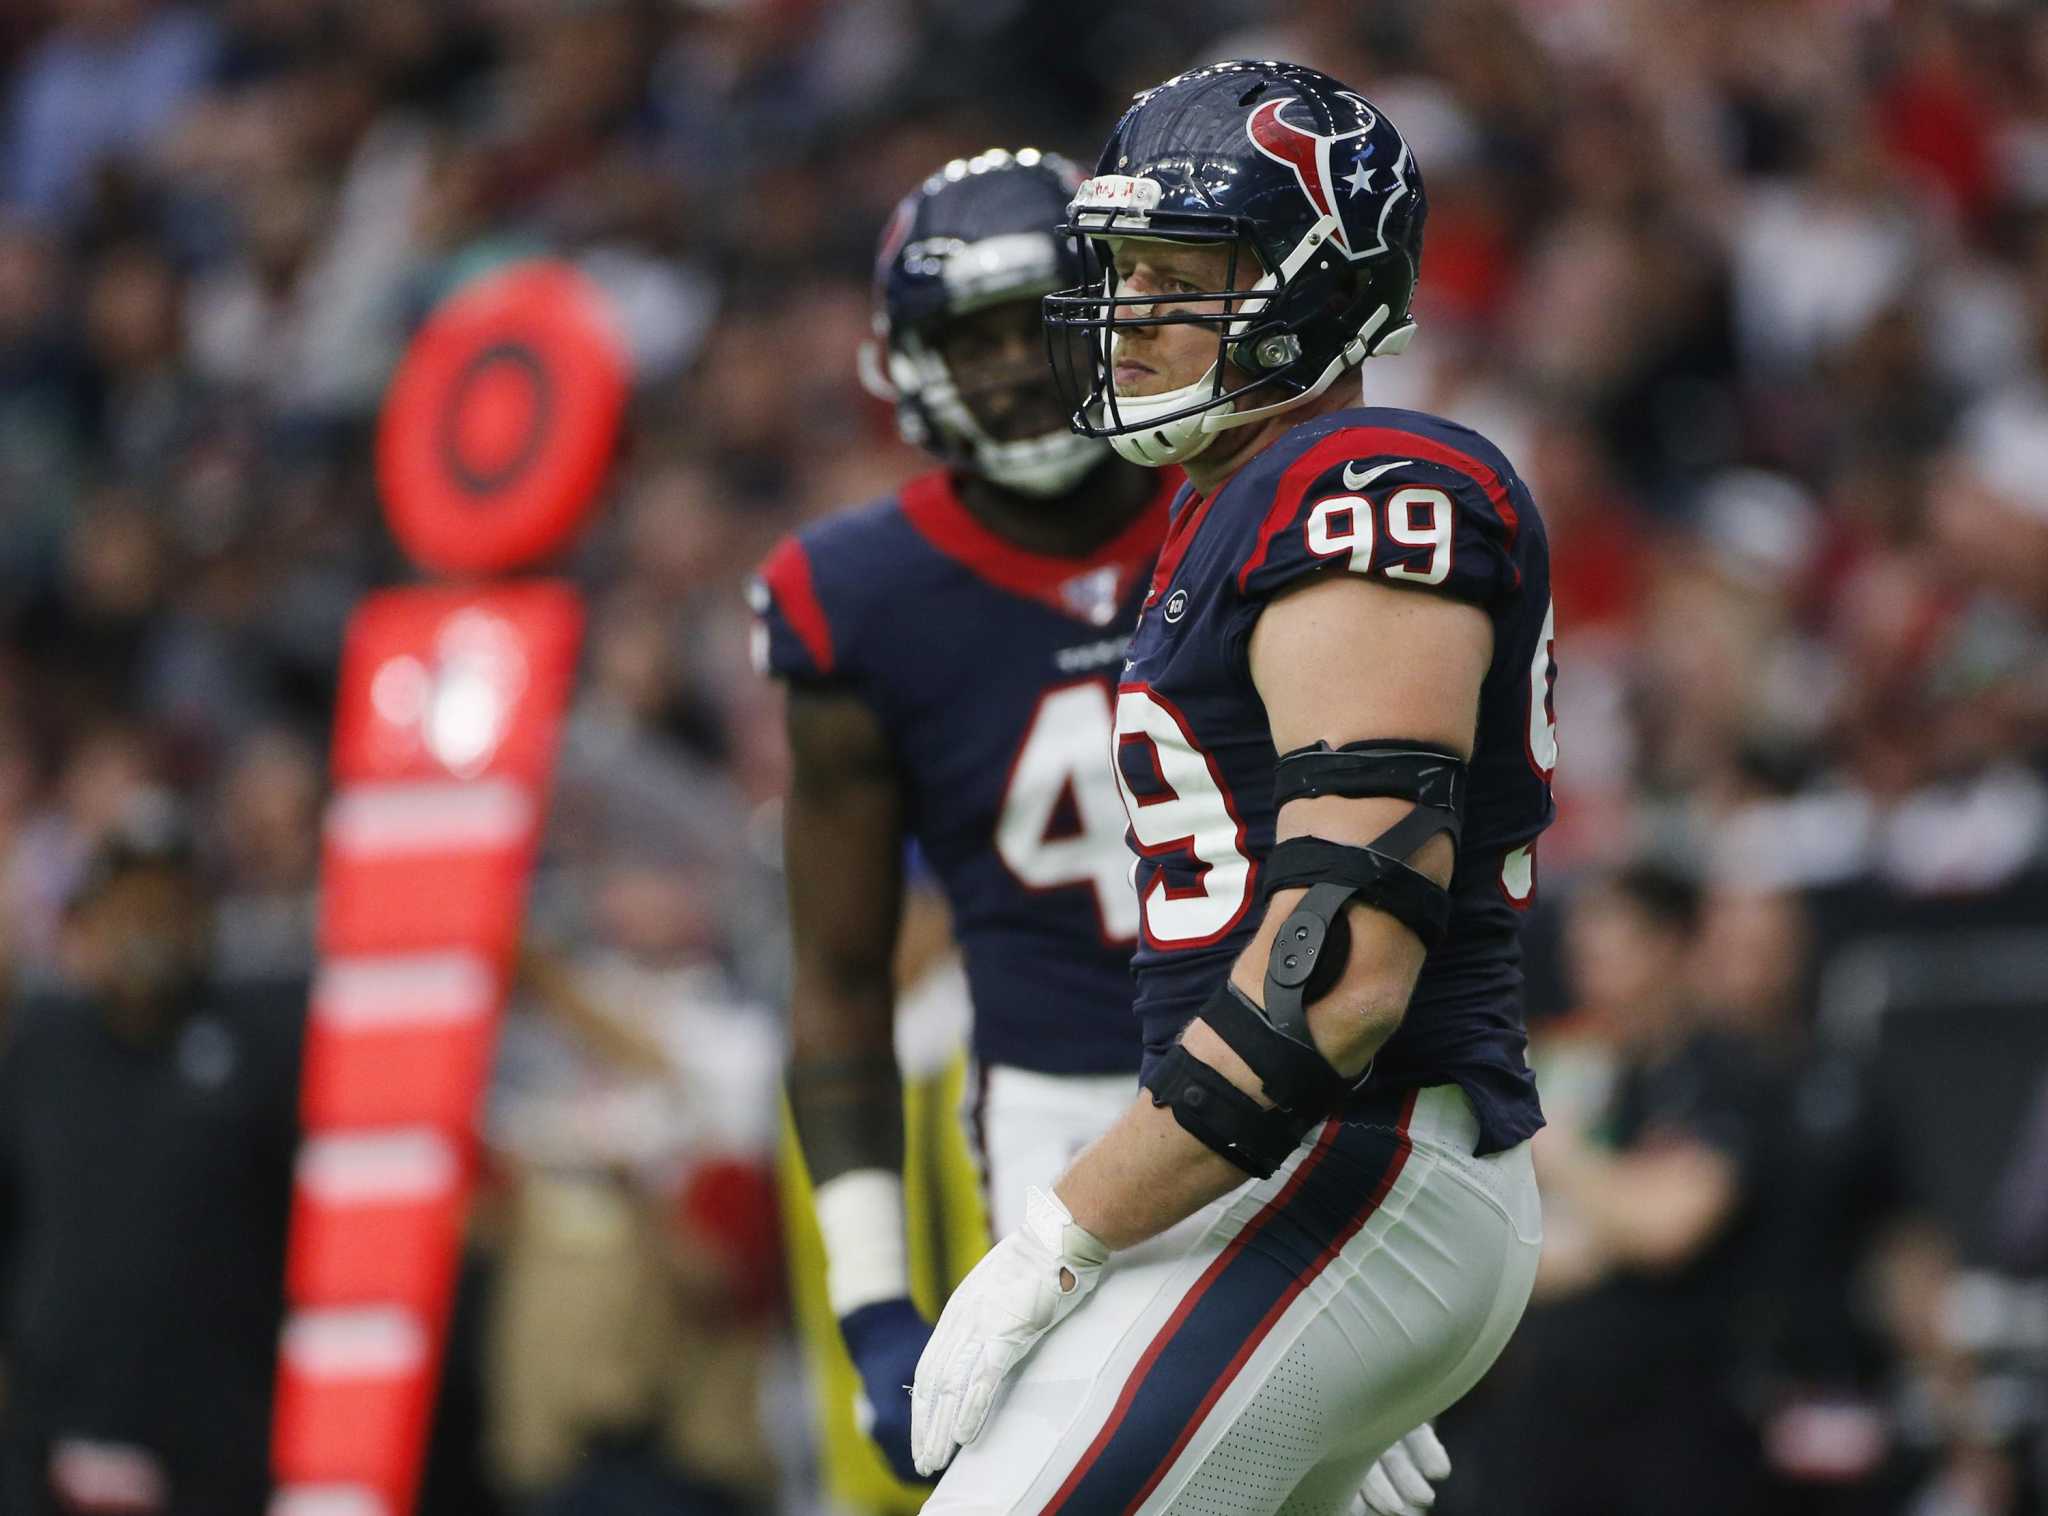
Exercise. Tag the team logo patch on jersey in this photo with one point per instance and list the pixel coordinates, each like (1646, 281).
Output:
(1093, 596)
(1176, 606)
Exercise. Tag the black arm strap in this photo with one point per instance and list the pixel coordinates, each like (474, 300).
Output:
(1290, 1069)
(1224, 1118)
(1312, 946)
(1395, 768)
(1378, 873)
(1368, 875)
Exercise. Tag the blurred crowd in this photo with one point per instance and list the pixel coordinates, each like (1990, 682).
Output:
(1755, 292)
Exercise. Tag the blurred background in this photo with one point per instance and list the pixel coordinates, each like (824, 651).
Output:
(1755, 292)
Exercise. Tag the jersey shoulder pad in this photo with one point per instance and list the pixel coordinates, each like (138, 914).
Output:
(1402, 496)
(814, 593)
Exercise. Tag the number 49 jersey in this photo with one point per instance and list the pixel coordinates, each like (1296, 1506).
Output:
(992, 670)
(1410, 500)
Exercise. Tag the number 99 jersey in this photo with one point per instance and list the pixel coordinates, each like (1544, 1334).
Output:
(1410, 500)
(992, 670)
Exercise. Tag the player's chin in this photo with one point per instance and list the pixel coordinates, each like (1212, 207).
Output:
(1134, 381)
(1041, 416)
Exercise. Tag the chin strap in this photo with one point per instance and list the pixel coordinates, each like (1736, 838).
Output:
(1042, 467)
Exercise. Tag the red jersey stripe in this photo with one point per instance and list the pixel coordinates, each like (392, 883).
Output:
(787, 573)
(933, 506)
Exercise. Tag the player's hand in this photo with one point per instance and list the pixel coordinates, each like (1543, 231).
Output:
(1403, 1482)
(1024, 1286)
(884, 1340)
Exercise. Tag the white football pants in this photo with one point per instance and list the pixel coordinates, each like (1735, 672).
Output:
(1258, 1357)
(1026, 1127)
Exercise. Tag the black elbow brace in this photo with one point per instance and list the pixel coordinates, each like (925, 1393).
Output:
(1222, 1117)
(1313, 944)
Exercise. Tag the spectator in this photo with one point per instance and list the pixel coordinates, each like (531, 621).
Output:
(269, 840)
(1620, 1394)
(40, 421)
(147, 1126)
(2023, 1198)
(104, 772)
(1856, 1276)
(109, 81)
(147, 405)
(635, 1114)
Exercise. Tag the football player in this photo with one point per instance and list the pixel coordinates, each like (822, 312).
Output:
(950, 655)
(1317, 1224)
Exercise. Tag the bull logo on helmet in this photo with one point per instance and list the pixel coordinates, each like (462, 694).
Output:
(1312, 156)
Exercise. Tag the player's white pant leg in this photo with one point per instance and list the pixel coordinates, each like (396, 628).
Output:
(1370, 1325)
(1277, 1341)
(1027, 1127)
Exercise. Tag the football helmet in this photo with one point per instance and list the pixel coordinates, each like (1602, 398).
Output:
(979, 232)
(1271, 159)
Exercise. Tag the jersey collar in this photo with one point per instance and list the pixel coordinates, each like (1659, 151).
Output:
(1090, 588)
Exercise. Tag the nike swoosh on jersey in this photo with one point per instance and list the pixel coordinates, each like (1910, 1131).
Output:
(1353, 480)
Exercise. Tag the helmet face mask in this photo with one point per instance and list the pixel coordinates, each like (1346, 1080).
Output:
(968, 254)
(1252, 351)
(1249, 155)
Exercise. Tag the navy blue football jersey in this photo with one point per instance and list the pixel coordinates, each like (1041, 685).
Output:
(992, 669)
(1414, 500)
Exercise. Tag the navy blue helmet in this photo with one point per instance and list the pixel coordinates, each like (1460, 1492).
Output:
(980, 232)
(1285, 163)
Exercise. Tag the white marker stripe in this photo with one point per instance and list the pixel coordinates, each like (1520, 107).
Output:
(403, 990)
(374, 1168)
(374, 1342)
(328, 1500)
(382, 820)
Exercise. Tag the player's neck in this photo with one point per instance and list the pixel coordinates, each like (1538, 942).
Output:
(1070, 526)
(1209, 471)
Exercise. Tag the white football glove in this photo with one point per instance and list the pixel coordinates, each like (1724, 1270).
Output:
(1403, 1482)
(1011, 1298)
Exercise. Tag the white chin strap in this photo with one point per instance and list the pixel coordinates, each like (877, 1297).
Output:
(1185, 437)
(1173, 441)
(1042, 467)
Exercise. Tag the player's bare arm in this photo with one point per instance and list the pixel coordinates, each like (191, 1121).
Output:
(843, 844)
(1147, 1173)
(843, 849)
